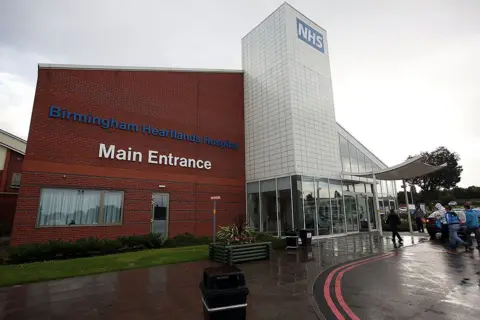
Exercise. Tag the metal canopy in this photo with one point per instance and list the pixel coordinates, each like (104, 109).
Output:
(411, 168)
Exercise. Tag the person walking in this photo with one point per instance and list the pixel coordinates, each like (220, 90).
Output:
(393, 220)
(472, 225)
(453, 226)
(419, 215)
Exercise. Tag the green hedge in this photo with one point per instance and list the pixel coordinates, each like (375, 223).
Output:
(277, 243)
(57, 249)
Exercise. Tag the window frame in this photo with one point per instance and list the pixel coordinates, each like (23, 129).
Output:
(14, 175)
(101, 212)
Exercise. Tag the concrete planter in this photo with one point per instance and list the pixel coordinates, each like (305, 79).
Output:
(238, 253)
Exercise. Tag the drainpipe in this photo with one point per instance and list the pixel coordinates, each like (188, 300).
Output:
(408, 209)
(375, 206)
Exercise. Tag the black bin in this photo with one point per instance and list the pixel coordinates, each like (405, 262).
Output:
(306, 236)
(291, 239)
(224, 293)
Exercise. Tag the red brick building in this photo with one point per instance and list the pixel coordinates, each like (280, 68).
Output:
(12, 151)
(122, 151)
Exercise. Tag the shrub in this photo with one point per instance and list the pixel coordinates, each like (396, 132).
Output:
(5, 230)
(108, 246)
(186, 239)
(133, 242)
(24, 253)
(238, 233)
(277, 243)
(57, 249)
(152, 240)
(82, 247)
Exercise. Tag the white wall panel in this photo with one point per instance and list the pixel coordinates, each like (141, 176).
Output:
(290, 125)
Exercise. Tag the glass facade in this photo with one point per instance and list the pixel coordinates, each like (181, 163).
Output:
(268, 203)
(325, 206)
(284, 196)
(297, 202)
(324, 214)
(253, 205)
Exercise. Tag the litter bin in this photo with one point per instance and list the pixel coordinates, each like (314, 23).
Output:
(224, 293)
(291, 239)
(306, 237)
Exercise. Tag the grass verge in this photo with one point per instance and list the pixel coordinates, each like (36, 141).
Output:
(50, 270)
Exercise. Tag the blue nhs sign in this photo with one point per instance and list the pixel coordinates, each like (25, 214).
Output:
(310, 35)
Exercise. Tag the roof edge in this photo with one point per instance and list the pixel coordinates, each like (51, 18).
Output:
(131, 68)
(13, 136)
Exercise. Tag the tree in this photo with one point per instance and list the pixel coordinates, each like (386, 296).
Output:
(445, 178)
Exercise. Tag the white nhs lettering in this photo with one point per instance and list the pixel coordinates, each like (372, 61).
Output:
(310, 35)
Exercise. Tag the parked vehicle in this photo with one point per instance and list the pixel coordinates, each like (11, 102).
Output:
(436, 223)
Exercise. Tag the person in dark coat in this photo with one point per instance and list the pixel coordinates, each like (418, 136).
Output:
(393, 220)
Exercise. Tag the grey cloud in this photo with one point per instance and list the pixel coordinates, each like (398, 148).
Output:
(399, 68)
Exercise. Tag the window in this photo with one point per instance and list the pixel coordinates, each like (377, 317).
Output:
(345, 157)
(269, 206)
(16, 177)
(253, 205)
(284, 204)
(361, 162)
(62, 207)
(297, 197)
(338, 217)
(353, 157)
(324, 219)
(308, 191)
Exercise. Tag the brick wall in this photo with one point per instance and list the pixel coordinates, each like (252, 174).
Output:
(63, 153)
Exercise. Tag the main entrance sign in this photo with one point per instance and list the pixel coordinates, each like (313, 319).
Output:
(107, 123)
(111, 152)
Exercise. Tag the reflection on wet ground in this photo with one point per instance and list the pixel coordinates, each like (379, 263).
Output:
(279, 289)
(421, 282)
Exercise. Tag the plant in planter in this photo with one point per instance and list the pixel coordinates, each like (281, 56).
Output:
(237, 243)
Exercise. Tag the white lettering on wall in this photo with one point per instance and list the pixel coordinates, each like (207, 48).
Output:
(103, 153)
(111, 152)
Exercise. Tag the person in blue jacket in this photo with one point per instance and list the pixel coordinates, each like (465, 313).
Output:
(472, 224)
(453, 226)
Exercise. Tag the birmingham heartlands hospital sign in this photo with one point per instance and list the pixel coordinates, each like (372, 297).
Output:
(107, 123)
(111, 152)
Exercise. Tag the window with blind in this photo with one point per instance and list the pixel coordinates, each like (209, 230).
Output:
(67, 207)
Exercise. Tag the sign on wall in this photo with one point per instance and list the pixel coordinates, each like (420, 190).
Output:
(146, 129)
(309, 35)
(153, 156)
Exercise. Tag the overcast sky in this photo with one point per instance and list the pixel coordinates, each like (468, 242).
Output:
(406, 74)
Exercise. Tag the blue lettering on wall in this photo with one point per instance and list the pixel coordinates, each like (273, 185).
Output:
(310, 35)
(146, 129)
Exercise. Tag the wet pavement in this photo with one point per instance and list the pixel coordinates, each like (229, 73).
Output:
(420, 282)
(281, 288)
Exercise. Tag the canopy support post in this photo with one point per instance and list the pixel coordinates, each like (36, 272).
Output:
(408, 209)
(375, 206)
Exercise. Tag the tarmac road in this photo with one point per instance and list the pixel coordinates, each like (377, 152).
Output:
(418, 282)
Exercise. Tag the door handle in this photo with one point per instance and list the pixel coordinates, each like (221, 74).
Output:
(151, 220)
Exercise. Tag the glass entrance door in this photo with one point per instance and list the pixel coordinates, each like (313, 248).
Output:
(371, 213)
(363, 212)
(160, 206)
(351, 211)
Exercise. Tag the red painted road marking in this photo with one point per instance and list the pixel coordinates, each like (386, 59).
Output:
(338, 285)
(326, 287)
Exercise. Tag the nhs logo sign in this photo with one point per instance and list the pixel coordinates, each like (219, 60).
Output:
(310, 36)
